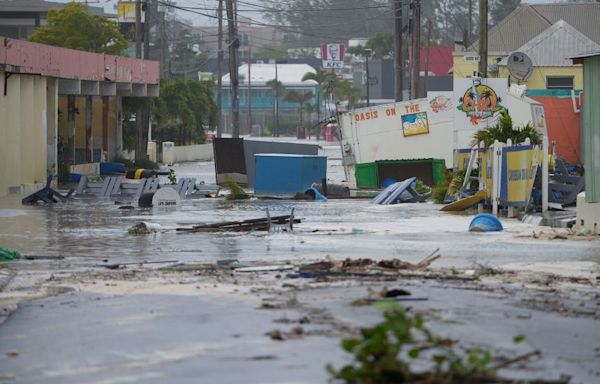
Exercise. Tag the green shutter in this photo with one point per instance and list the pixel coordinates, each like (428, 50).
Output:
(591, 129)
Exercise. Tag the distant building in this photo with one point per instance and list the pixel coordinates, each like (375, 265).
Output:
(19, 18)
(263, 96)
(382, 74)
(549, 34)
(62, 107)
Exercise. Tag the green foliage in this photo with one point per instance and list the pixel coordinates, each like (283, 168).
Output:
(421, 187)
(172, 177)
(438, 193)
(272, 51)
(73, 27)
(383, 354)
(504, 130)
(344, 90)
(188, 55)
(9, 254)
(380, 43)
(301, 98)
(519, 339)
(183, 111)
(456, 182)
(236, 192)
(64, 173)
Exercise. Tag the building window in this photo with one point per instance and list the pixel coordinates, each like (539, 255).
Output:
(559, 82)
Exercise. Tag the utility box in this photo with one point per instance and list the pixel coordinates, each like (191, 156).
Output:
(285, 174)
(152, 150)
(168, 152)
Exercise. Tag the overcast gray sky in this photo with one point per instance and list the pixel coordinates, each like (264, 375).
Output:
(110, 7)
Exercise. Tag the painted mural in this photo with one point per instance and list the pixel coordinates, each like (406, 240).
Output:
(479, 102)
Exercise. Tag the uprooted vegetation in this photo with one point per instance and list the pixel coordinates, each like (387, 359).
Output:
(386, 353)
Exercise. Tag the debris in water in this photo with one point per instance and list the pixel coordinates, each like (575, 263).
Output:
(294, 333)
(260, 224)
(7, 254)
(350, 266)
(144, 228)
(485, 222)
(235, 191)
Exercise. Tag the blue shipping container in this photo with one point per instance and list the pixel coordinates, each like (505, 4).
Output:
(285, 174)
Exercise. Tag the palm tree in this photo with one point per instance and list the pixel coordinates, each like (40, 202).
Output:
(277, 87)
(345, 90)
(325, 80)
(294, 96)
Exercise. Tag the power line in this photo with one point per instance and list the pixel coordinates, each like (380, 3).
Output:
(276, 26)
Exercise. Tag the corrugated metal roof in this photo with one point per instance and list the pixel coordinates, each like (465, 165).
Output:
(287, 74)
(528, 21)
(555, 45)
(583, 16)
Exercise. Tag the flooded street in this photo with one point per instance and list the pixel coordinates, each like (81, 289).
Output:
(181, 319)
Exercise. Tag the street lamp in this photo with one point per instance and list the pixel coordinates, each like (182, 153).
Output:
(367, 54)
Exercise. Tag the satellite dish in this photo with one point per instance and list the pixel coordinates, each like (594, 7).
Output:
(519, 65)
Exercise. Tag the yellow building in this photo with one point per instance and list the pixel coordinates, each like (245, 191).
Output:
(544, 32)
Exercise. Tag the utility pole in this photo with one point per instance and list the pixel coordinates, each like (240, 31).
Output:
(367, 54)
(483, 37)
(249, 89)
(220, 70)
(146, 120)
(147, 13)
(467, 39)
(140, 150)
(399, 70)
(234, 44)
(138, 29)
(416, 48)
(427, 54)
(276, 130)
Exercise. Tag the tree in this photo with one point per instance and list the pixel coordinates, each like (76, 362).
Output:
(301, 99)
(277, 89)
(73, 27)
(325, 79)
(187, 56)
(183, 111)
(346, 91)
(381, 45)
(272, 51)
(499, 9)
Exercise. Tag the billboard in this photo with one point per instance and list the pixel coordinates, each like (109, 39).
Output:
(415, 124)
(333, 55)
(126, 12)
(478, 102)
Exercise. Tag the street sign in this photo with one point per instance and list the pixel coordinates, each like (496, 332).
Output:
(126, 12)
(333, 55)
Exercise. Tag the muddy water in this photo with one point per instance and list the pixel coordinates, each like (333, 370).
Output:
(87, 231)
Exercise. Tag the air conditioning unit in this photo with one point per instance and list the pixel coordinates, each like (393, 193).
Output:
(492, 68)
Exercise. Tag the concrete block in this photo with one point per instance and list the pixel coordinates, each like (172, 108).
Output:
(588, 215)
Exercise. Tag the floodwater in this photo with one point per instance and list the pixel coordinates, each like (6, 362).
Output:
(179, 331)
